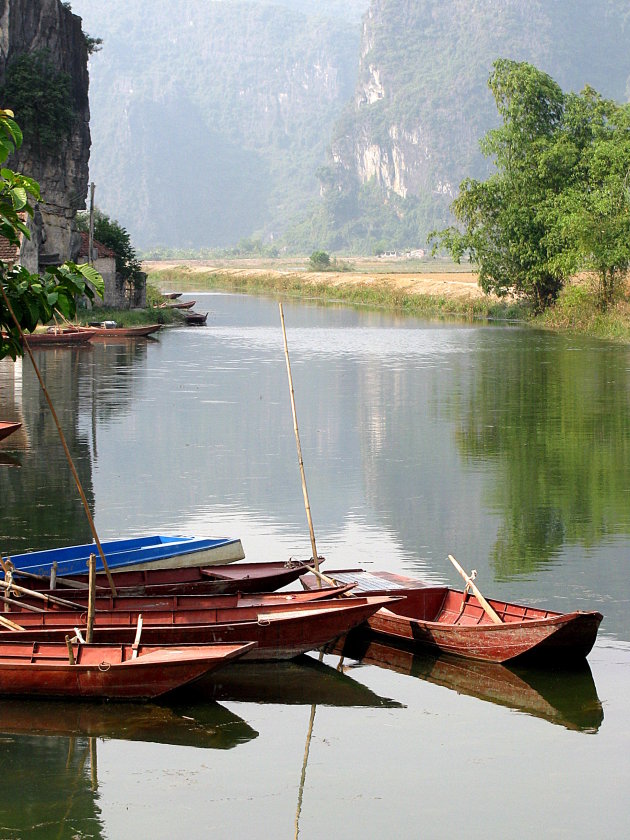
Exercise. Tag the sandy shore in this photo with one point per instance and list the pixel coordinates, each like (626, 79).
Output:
(440, 283)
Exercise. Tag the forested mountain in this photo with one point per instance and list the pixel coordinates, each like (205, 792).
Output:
(209, 119)
(212, 121)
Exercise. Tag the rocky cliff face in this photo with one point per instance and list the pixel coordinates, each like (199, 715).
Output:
(422, 102)
(28, 26)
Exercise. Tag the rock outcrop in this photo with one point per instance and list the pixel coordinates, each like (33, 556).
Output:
(30, 26)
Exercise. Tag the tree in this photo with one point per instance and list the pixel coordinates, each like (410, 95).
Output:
(506, 218)
(30, 297)
(109, 232)
(319, 261)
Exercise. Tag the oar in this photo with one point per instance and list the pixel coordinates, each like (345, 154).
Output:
(470, 585)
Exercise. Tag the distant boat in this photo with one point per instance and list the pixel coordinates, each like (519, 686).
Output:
(7, 428)
(103, 331)
(155, 552)
(452, 621)
(186, 305)
(196, 319)
(171, 295)
(57, 338)
(126, 671)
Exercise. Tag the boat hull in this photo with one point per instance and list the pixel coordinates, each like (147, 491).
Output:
(444, 619)
(151, 552)
(280, 633)
(189, 580)
(43, 669)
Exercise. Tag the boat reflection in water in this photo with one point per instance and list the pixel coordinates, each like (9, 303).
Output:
(48, 750)
(203, 725)
(565, 697)
(302, 681)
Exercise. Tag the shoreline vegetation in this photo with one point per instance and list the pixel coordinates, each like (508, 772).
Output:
(433, 289)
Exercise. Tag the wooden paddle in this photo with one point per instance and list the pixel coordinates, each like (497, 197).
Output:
(471, 586)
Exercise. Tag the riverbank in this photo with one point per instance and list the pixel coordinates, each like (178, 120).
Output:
(421, 288)
(443, 291)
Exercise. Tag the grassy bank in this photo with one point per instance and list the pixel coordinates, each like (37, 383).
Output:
(133, 317)
(446, 295)
(381, 293)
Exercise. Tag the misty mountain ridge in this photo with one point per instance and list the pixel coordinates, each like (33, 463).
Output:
(308, 124)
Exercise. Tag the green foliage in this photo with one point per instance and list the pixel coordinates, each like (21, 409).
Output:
(31, 298)
(109, 232)
(559, 201)
(41, 95)
(319, 261)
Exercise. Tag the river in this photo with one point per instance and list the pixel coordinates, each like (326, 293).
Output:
(506, 447)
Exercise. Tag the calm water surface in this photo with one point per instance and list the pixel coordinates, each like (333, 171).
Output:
(508, 448)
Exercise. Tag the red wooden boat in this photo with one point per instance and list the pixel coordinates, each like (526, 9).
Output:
(116, 332)
(215, 580)
(177, 305)
(196, 319)
(57, 338)
(105, 601)
(448, 620)
(126, 671)
(7, 428)
(280, 633)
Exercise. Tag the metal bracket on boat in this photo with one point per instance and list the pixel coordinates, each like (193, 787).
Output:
(104, 666)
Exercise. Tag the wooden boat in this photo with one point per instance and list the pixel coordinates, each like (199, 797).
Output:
(7, 428)
(190, 580)
(196, 319)
(567, 697)
(102, 331)
(453, 622)
(155, 551)
(43, 669)
(171, 295)
(281, 632)
(57, 338)
(188, 304)
(106, 602)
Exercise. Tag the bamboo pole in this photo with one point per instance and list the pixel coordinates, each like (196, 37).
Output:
(91, 595)
(29, 607)
(470, 585)
(10, 625)
(62, 437)
(299, 447)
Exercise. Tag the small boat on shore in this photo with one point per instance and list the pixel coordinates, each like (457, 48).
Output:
(454, 621)
(188, 304)
(281, 632)
(126, 671)
(104, 330)
(188, 580)
(57, 338)
(195, 319)
(7, 428)
(155, 551)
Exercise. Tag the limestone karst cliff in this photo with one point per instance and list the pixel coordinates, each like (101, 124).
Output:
(48, 28)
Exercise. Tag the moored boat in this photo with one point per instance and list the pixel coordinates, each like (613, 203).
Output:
(7, 428)
(57, 338)
(195, 319)
(155, 551)
(187, 580)
(281, 632)
(455, 622)
(105, 601)
(104, 331)
(127, 671)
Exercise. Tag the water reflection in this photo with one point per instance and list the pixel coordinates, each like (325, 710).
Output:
(302, 681)
(565, 697)
(554, 414)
